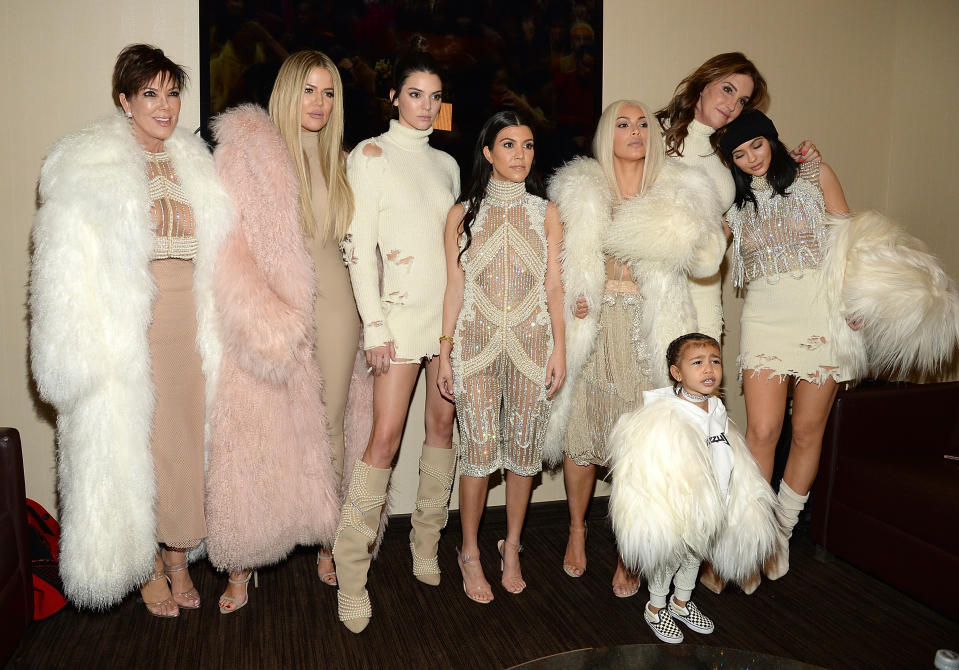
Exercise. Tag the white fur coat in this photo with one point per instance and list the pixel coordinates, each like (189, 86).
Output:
(665, 495)
(876, 272)
(664, 236)
(91, 297)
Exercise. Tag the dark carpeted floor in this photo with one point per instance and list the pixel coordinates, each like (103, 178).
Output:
(824, 612)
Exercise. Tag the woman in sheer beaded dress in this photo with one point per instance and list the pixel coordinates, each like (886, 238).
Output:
(636, 226)
(778, 223)
(503, 351)
(124, 341)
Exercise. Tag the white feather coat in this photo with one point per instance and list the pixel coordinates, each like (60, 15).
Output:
(876, 272)
(91, 297)
(665, 496)
(664, 236)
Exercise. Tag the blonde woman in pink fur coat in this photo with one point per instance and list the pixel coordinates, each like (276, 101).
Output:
(271, 480)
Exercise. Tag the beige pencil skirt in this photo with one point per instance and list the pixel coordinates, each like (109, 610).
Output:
(177, 439)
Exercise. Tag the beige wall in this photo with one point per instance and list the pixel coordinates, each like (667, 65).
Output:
(871, 81)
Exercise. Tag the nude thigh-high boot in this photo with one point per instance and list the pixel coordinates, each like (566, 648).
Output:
(787, 512)
(437, 467)
(359, 522)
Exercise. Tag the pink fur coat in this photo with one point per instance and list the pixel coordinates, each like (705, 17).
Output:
(270, 480)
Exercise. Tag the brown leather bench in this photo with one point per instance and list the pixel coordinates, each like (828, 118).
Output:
(886, 499)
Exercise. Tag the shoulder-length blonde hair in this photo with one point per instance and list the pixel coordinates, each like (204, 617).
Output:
(676, 116)
(286, 103)
(603, 146)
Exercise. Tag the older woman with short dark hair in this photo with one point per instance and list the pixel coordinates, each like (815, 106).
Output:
(123, 337)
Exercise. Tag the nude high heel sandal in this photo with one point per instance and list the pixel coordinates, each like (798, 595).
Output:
(237, 605)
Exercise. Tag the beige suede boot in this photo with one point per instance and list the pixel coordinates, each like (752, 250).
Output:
(787, 512)
(359, 522)
(437, 467)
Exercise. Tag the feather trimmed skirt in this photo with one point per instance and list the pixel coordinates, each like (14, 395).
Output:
(785, 329)
(613, 378)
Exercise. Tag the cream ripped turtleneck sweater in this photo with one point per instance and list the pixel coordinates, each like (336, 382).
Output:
(707, 293)
(402, 198)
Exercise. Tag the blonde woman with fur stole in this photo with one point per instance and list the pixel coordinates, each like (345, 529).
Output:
(704, 102)
(123, 337)
(685, 487)
(403, 191)
(635, 226)
(272, 483)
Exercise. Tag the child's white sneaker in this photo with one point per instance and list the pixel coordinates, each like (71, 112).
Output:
(662, 625)
(691, 616)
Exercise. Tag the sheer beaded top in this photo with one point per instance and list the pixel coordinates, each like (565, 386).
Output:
(171, 215)
(779, 235)
(505, 267)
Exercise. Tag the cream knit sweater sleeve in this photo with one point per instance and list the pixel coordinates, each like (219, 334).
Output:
(365, 174)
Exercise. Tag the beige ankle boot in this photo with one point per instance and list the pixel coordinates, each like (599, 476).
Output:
(437, 467)
(359, 522)
(787, 513)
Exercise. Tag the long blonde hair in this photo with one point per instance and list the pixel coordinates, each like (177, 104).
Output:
(286, 103)
(603, 146)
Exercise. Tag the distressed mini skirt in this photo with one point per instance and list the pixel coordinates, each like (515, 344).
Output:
(784, 329)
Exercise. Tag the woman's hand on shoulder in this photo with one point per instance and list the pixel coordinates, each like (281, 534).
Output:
(379, 358)
(805, 152)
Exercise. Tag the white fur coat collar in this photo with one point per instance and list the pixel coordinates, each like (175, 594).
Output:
(91, 297)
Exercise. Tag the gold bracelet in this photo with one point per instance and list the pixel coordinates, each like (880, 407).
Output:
(448, 338)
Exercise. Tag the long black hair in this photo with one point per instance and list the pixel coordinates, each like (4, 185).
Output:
(782, 169)
(475, 188)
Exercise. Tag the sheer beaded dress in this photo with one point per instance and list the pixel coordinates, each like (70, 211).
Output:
(616, 373)
(503, 336)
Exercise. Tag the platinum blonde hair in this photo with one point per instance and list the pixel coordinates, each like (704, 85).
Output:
(603, 146)
(286, 103)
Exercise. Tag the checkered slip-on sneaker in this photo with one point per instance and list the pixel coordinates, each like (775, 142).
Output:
(663, 626)
(691, 616)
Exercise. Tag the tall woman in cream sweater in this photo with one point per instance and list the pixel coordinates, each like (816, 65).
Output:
(403, 189)
(693, 121)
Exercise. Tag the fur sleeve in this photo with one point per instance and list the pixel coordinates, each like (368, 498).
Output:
(581, 193)
(64, 253)
(749, 533)
(672, 226)
(664, 494)
(875, 271)
(93, 193)
(264, 331)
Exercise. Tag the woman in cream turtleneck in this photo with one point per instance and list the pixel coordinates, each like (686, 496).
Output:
(403, 190)
(704, 102)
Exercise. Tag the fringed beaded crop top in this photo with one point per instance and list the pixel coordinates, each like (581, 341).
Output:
(171, 215)
(780, 234)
